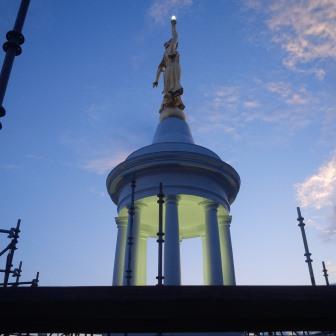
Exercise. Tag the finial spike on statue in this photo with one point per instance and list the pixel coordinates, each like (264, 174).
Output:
(169, 66)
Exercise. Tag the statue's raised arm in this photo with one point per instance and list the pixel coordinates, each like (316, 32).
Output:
(170, 67)
(174, 39)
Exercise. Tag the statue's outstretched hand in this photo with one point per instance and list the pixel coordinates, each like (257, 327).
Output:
(155, 84)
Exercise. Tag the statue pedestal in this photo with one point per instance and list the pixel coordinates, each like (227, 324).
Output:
(172, 112)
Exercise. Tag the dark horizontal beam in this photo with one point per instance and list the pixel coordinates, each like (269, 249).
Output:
(167, 309)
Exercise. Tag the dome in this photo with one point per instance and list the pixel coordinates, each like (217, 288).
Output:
(173, 135)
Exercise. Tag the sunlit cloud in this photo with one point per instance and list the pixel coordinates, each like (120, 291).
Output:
(225, 96)
(319, 192)
(102, 165)
(276, 103)
(290, 96)
(162, 10)
(331, 267)
(326, 229)
(304, 29)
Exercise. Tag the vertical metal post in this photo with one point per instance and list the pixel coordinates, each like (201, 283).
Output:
(9, 261)
(35, 281)
(17, 273)
(160, 235)
(12, 48)
(325, 273)
(131, 212)
(305, 243)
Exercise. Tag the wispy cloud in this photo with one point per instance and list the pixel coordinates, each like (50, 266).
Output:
(331, 267)
(9, 166)
(251, 104)
(290, 96)
(101, 165)
(93, 112)
(98, 192)
(319, 191)
(103, 138)
(162, 10)
(304, 29)
(276, 103)
(225, 96)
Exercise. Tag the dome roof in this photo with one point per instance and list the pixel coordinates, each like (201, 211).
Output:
(174, 160)
(173, 135)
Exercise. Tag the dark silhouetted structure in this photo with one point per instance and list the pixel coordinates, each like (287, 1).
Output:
(167, 308)
(12, 48)
(13, 235)
(307, 254)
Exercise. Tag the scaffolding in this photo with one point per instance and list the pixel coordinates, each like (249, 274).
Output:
(13, 236)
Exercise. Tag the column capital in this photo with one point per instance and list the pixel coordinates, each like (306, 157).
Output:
(209, 205)
(121, 220)
(172, 198)
(224, 220)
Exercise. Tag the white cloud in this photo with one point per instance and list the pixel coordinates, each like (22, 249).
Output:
(250, 104)
(319, 73)
(304, 29)
(319, 190)
(331, 267)
(162, 10)
(101, 165)
(290, 96)
(225, 96)
(281, 88)
(233, 107)
(326, 231)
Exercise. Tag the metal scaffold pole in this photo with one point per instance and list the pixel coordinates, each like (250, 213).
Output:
(307, 254)
(12, 48)
(12, 247)
(13, 235)
(160, 235)
(325, 273)
(131, 212)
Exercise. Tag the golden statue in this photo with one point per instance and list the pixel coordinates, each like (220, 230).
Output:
(170, 67)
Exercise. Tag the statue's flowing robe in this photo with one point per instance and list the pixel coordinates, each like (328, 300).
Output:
(171, 64)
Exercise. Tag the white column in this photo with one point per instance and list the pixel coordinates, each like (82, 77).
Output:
(212, 237)
(205, 255)
(135, 250)
(172, 267)
(142, 275)
(119, 258)
(226, 250)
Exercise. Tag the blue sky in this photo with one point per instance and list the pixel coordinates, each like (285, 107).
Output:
(259, 82)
